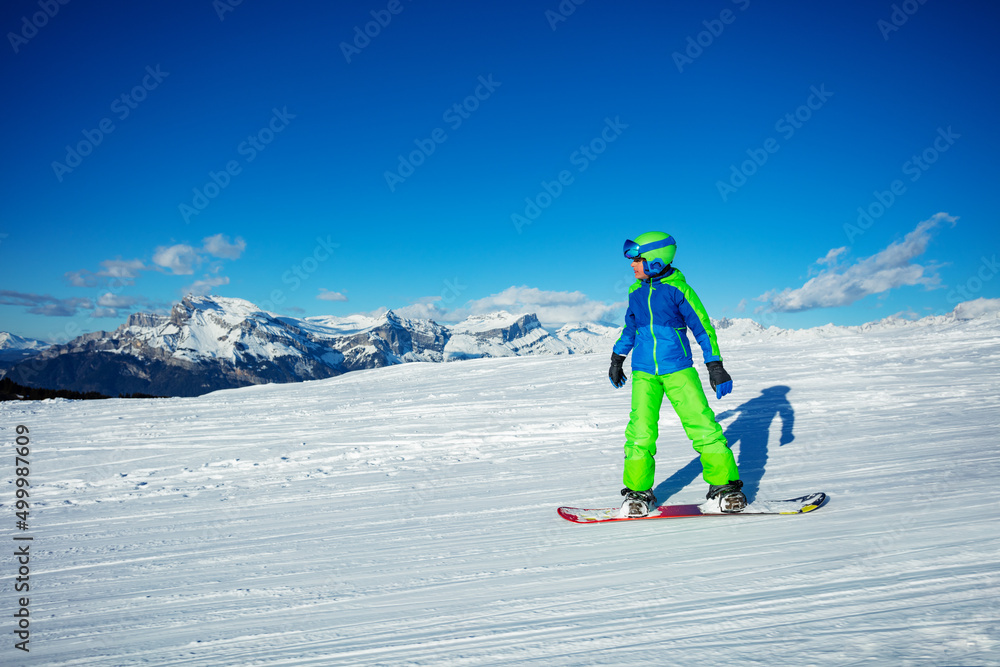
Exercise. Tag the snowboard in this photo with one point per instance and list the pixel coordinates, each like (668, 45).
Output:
(758, 507)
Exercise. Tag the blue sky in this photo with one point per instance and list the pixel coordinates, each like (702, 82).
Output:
(464, 157)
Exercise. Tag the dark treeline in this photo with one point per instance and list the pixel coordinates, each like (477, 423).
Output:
(11, 391)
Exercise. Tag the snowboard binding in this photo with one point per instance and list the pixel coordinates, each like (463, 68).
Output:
(728, 496)
(637, 503)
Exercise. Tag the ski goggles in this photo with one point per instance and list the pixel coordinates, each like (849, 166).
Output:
(633, 250)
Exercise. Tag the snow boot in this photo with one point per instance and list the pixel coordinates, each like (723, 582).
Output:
(727, 497)
(637, 503)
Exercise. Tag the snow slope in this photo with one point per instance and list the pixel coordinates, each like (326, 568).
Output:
(406, 516)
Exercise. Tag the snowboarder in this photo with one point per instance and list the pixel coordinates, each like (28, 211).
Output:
(661, 308)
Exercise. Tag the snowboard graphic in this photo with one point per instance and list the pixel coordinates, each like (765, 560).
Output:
(791, 506)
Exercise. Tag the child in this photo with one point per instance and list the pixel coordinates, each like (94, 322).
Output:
(661, 308)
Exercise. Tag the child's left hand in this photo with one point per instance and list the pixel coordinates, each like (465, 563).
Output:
(721, 381)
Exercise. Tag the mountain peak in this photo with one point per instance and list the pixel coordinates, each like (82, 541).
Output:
(499, 319)
(9, 341)
(229, 305)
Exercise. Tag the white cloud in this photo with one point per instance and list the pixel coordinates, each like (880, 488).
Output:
(219, 246)
(124, 271)
(327, 295)
(180, 259)
(428, 308)
(908, 314)
(837, 285)
(830, 259)
(109, 300)
(81, 278)
(205, 286)
(44, 304)
(550, 307)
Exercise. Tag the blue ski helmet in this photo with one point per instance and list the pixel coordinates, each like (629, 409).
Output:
(656, 249)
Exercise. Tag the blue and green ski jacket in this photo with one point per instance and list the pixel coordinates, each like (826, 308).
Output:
(660, 312)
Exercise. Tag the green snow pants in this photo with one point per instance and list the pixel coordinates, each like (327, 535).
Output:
(685, 392)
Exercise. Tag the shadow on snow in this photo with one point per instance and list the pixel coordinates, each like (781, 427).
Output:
(750, 430)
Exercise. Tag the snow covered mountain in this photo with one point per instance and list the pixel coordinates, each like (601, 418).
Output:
(211, 342)
(588, 337)
(206, 343)
(741, 331)
(406, 516)
(373, 342)
(501, 334)
(16, 348)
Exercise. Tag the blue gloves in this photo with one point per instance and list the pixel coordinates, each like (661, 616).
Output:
(616, 373)
(721, 381)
